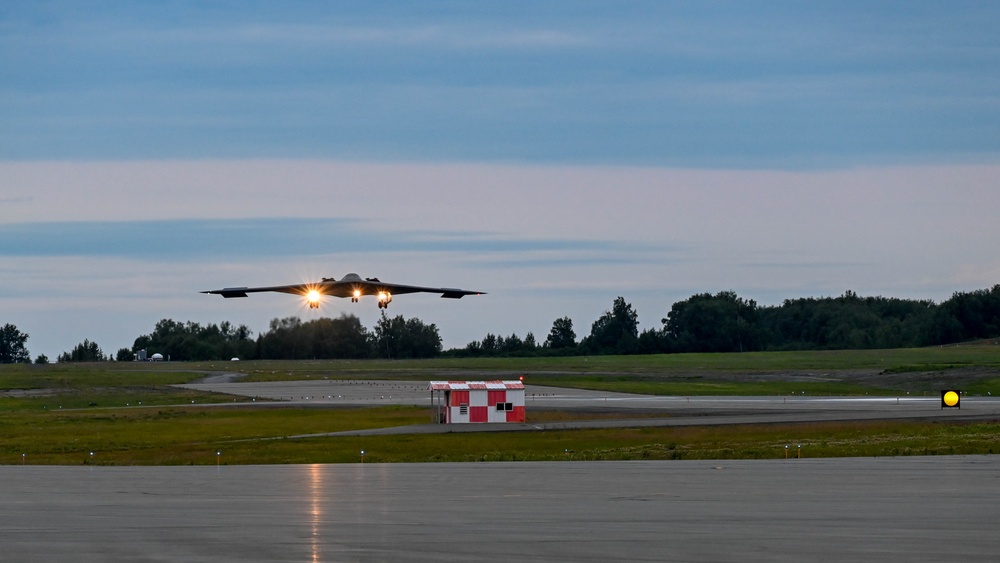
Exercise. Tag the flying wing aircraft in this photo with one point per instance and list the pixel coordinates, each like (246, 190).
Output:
(351, 285)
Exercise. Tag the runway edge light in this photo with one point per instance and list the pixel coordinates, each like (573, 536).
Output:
(951, 398)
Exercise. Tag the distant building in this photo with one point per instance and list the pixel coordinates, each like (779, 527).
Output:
(459, 402)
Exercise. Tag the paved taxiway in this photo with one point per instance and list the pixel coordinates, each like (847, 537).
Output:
(648, 410)
(872, 509)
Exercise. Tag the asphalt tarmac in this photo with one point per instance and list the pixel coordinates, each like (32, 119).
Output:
(873, 509)
(647, 410)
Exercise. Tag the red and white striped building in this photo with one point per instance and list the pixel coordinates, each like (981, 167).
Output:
(457, 402)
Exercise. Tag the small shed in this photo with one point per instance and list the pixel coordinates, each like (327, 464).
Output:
(459, 402)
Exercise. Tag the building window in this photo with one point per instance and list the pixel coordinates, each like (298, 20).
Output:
(505, 407)
(463, 409)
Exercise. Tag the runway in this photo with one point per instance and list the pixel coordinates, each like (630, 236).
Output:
(884, 509)
(858, 509)
(631, 410)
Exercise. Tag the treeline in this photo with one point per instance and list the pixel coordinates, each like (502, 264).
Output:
(723, 322)
(286, 339)
(291, 339)
(726, 322)
(345, 337)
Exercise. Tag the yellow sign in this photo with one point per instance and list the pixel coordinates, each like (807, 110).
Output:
(951, 399)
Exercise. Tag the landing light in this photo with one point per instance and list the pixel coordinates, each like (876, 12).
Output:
(313, 296)
(357, 293)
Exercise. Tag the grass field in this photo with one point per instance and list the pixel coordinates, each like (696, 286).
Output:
(897, 361)
(986, 354)
(127, 414)
(207, 435)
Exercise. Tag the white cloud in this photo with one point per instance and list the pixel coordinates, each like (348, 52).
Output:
(544, 242)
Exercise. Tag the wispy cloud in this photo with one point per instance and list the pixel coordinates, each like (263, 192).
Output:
(651, 83)
(268, 237)
(777, 147)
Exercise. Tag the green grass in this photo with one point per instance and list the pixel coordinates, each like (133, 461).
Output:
(255, 436)
(907, 359)
(990, 386)
(666, 363)
(904, 360)
(72, 386)
(174, 435)
(89, 376)
(127, 414)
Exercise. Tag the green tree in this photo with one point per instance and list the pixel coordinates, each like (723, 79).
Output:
(723, 322)
(512, 345)
(12, 349)
(561, 336)
(615, 332)
(397, 338)
(325, 338)
(852, 322)
(191, 341)
(529, 342)
(343, 337)
(85, 351)
(972, 315)
(490, 346)
(474, 349)
(42, 359)
(652, 341)
(493, 345)
(280, 342)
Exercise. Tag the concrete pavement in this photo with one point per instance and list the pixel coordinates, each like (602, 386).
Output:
(884, 509)
(647, 410)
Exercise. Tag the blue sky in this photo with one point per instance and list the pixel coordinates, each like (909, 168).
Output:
(553, 154)
(705, 84)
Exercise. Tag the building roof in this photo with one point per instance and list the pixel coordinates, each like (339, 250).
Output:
(464, 385)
